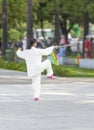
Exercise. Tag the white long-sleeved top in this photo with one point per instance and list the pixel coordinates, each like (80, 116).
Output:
(33, 58)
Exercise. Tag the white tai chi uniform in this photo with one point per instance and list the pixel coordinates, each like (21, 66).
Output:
(35, 65)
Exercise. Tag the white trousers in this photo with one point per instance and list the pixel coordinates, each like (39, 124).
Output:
(36, 80)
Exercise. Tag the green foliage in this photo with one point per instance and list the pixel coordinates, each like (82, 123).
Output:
(16, 13)
(0, 1)
(61, 71)
(0, 5)
(71, 71)
(79, 72)
(12, 65)
(0, 32)
(14, 34)
(44, 10)
(76, 31)
(43, 13)
(74, 10)
(10, 55)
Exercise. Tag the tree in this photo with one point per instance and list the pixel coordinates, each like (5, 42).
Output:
(76, 12)
(4, 26)
(16, 13)
(0, 14)
(43, 13)
(29, 22)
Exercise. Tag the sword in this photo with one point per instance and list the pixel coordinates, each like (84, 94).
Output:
(73, 44)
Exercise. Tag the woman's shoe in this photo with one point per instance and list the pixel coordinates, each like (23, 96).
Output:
(51, 77)
(36, 98)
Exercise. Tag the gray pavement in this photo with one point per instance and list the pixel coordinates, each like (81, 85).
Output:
(65, 103)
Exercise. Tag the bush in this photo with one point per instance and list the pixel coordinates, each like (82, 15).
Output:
(10, 55)
(62, 71)
(14, 34)
(13, 65)
(59, 71)
(21, 66)
(0, 32)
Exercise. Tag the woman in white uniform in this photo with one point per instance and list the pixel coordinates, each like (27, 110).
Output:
(35, 66)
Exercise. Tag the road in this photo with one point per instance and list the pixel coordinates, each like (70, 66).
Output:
(65, 103)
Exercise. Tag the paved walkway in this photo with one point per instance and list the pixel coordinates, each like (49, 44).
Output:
(15, 77)
(65, 103)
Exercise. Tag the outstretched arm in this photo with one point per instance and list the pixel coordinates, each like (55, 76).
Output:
(47, 51)
(21, 53)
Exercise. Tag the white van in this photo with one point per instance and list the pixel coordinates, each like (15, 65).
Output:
(47, 33)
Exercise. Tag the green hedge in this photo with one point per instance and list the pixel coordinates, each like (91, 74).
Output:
(62, 71)
(21, 66)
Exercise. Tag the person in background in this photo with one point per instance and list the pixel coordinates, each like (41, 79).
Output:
(62, 50)
(63, 40)
(24, 43)
(35, 65)
(39, 44)
(9, 45)
(87, 46)
(20, 43)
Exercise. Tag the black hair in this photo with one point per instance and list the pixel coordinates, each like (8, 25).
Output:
(32, 41)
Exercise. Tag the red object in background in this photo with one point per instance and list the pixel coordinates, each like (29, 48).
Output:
(87, 45)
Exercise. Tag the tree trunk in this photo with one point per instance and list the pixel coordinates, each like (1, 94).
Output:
(86, 24)
(65, 32)
(4, 26)
(42, 27)
(57, 23)
(29, 22)
(64, 29)
(86, 29)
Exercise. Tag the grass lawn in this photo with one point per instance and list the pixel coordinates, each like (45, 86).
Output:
(79, 72)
